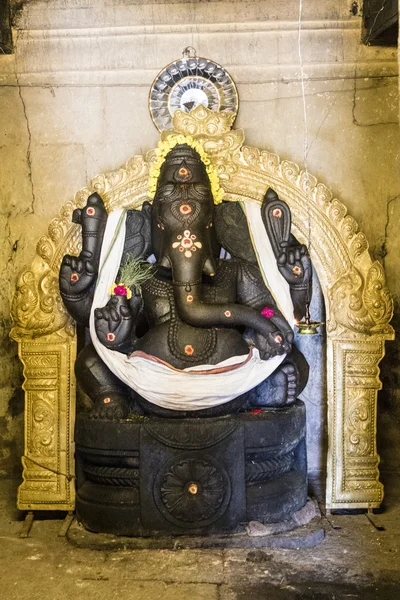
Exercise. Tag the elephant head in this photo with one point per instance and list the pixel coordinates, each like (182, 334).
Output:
(182, 217)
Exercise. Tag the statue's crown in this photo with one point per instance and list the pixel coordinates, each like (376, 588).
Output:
(183, 165)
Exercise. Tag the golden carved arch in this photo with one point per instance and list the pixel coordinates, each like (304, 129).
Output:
(358, 306)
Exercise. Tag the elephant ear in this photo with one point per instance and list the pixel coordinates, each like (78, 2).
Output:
(232, 231)
(138, 232)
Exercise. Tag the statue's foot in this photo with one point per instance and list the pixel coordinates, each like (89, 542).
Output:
(288, 379)
(110, 406)
(278, 390)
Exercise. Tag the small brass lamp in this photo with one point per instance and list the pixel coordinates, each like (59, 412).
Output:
(306, 326)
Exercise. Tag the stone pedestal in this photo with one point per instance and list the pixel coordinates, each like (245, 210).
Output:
(153, 476)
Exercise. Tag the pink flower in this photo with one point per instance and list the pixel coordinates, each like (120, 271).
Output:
(267, 312)
(120, 290)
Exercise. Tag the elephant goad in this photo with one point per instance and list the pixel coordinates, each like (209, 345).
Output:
(195, 334)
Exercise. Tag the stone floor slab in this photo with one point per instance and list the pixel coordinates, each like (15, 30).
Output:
(356, 561)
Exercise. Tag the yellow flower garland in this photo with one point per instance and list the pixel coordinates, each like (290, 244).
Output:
(161, 153)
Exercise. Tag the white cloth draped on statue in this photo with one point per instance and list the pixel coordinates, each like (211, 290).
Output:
(188, 390)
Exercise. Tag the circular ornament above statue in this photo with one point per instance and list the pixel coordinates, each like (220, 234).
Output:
(187, 83)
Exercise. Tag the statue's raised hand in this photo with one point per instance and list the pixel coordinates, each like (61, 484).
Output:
(78, 273)
(292, 258)
(114, 322)
(295, 265)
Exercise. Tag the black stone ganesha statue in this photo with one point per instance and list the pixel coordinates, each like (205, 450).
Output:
(196, 313)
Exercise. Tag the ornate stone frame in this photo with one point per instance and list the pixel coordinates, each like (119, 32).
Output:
(358, 310)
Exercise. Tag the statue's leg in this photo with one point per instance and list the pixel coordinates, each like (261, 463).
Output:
(284, 385)
(110, 396)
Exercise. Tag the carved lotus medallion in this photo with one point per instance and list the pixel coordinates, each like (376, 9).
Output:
(193, 491)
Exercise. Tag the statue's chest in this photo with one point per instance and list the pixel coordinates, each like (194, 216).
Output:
(157, 298)
(158, 295)
(222, 289)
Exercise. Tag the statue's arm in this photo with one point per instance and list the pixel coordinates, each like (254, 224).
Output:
(301, 289)
(251, 291)
(292, 258)
(78, 274)
(116, 322)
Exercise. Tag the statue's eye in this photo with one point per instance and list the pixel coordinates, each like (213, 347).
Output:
(166, 190)
(201, 189)
(201, 192)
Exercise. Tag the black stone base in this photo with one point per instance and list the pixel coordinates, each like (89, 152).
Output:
(197, 477)
(307, 536)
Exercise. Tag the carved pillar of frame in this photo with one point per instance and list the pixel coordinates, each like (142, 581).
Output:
(358, 308)
(353, 374)
(49, 419)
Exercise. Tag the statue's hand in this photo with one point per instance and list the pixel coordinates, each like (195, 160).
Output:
(92, 218)
(77, 274)
(277, 342)
(294, 264)
(114, 322)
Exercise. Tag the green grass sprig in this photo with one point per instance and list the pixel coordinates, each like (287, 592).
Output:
(135, 272)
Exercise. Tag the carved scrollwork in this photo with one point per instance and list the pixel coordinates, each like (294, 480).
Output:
(125, 187)
(377, 298)
(202, 121)
(359, 419)
(270, 162)
(213, 131)
(43, 423)
(359, 304)
(37, 308)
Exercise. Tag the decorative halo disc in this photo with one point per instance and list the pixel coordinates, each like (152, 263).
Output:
(188, 82)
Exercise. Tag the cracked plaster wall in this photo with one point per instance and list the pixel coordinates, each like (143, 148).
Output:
(73, 101)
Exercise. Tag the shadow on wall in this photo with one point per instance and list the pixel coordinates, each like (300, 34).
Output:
(388, 435)
(314, 395)
(12, 436)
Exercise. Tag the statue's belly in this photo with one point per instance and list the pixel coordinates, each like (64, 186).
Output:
(183, 346)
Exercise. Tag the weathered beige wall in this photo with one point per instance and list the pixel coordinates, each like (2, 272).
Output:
(73, 103)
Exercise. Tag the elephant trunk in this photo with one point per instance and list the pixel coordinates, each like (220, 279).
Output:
(189, 258)
(193, 311)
